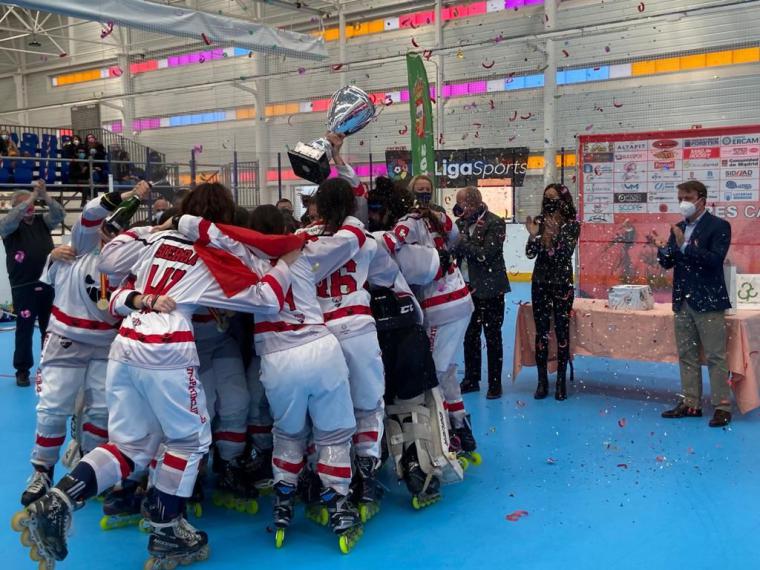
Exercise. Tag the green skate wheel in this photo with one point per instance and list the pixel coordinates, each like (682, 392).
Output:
(463, 462)
(476, 458)
(252, 507)
(196, 509)
(19, 520)
(368, 510)
(279, 538)
(144, 526)
(348, 539)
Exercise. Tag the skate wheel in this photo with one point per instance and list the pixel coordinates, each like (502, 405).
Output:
(463, 463)
(105, 523)
(26, 538)
(367, 511)
(18, 522)
(144, 526)
(196, 509)
(34, 553)
(416, 503)
(476, 458)
(252, 507)
(279, 538)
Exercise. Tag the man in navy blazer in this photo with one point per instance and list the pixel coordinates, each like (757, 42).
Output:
(696, 250)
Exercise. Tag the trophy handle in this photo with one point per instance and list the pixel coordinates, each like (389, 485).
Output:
(323, 144)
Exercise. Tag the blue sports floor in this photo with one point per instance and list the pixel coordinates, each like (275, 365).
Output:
(650, 494)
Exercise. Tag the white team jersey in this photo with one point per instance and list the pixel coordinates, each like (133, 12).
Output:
(446, 298)
(343, 295)
(79, 285)
(166, 263)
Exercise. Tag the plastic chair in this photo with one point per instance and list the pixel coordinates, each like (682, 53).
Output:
(23, 175)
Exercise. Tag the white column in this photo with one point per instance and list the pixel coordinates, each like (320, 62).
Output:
(127, 102)
(22, 101)
(345, 152)
(439, 101)
(261, 132)
(550, 96)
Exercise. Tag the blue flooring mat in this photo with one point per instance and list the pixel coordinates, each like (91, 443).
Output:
(650, 494)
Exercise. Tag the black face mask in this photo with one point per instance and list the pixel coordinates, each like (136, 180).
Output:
(550, 205)
(458, 210)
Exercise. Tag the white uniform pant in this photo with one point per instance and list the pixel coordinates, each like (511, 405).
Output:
(310, 382)
(259, 414)
(445, 340)
(224, 382)
(66, 368)
(148, 407)
(366, 377)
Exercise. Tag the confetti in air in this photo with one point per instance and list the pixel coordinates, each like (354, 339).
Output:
(616, 104)
(488, 65)
(427, 54)
(107, 31)
(516, 516)
(414, 43)
(26, 313)
(115, 71)
(565, 53)
(404, 130)
(621, 422)
(206, 39)
(198, 148)
(513, 117)
(19, 256)
(337, 67)
(301, 70)
(642, 7)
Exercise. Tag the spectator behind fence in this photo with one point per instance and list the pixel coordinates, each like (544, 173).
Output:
(480, 254)
(97, 152)
(553, 237)
(27, 240)
(696, 250)
(79, 169)
(159, 207)
(7, 146)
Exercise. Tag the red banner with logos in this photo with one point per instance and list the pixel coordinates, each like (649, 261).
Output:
(628, 191)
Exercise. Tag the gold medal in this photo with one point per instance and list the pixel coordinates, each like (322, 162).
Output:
(102, 304)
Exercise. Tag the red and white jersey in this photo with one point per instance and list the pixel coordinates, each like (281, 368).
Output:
(300, 320)
(79, 285)
(446, 298)
(425, 262)
(166, 263)
(343, 296)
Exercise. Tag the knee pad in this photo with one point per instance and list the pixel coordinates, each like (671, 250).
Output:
(423, 422)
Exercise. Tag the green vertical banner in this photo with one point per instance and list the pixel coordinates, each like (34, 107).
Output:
(421, 112)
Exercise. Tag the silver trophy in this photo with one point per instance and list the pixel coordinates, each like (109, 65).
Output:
(350, 111)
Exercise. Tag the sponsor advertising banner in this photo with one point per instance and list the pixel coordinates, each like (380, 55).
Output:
(465, 167)
(628, 190)
(421, 110)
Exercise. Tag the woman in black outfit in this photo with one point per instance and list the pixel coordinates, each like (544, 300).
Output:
(553, 237)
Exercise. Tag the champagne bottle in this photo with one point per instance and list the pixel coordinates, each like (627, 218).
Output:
(119, 220)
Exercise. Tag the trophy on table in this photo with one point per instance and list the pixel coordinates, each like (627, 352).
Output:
(350, 111)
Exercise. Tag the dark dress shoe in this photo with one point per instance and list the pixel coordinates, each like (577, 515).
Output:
(467, 386)
(720, 418)
(682, 411)
(494, 392)
(22, 379)
(560, 391)
(542, 390)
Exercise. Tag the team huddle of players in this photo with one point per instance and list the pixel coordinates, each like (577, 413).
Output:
(149, 348)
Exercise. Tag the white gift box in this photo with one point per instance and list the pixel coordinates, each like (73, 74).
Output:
(630, 298)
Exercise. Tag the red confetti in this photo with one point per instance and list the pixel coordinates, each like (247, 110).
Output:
(201, 59)
(387, 101)
(565, 53)
(413, 25)
(642, 7)
(589, 127)
(516, 516)
(513, 117)
(660, 458)
(427, 54)
(623, 465)
(488, 65)
(301, 70)
(526, 117)
(607, 49)
(404, 130)
(414, 43)
(115, 71)
(513, 137)
(206, 39)
(491, 104)
(337, 67)
(62, 54)
(621, 422)
(432, 100)
(440, 138)
(107, 31)
(477, 125)
(616, 104)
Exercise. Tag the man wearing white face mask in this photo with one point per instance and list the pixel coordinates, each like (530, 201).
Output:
(696, 250)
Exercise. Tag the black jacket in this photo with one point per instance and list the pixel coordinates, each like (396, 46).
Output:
(698, 271)
(555, 263)
(484, 253)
